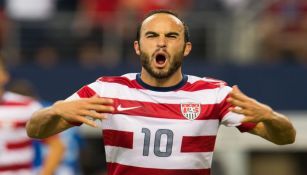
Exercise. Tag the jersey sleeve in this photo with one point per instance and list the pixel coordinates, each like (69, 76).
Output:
(86, 91)
(228, 118)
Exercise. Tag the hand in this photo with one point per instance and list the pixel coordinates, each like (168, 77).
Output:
(253, 110)
(80, 110)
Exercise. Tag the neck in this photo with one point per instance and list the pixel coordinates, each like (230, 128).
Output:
(166, 82)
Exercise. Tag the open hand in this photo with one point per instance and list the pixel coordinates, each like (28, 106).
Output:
(253, 110)
(82, 110)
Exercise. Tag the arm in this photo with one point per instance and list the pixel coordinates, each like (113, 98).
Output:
(56, 151)
(270, 125)
(62, 114)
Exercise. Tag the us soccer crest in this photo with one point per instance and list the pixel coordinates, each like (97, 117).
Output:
(190, 110)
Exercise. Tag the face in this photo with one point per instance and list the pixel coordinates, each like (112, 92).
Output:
(162, 46)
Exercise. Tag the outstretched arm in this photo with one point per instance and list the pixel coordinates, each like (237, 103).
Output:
(62, 114)
(270, 124)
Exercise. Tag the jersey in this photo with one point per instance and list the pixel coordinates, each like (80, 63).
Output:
(16, 151)
(162, 130)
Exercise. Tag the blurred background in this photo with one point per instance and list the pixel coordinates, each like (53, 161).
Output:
(261, 45)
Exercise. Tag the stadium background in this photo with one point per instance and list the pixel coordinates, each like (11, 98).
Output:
(259, 45)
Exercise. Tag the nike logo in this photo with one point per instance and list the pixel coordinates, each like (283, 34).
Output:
(120, 108)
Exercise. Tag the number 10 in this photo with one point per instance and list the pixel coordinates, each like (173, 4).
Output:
(157, 142)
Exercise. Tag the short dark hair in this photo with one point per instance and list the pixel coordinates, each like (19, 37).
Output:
(186, 29)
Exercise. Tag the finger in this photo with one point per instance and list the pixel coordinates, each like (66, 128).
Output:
(238, 94)
(85, 121)
(99, 100)
(101, 108)
(239, 110)
(237, 102)
(92, 114)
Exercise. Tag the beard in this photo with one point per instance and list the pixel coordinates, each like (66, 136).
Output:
(175, 64)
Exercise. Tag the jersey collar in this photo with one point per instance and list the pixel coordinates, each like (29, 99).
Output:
(162, 89)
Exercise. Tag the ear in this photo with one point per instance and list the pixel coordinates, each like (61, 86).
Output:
(188, 48)
(137, 48)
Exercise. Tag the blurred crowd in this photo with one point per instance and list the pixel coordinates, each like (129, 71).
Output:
(100, 33)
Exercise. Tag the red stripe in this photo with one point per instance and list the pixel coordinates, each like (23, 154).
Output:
(13, 124)
(19, 144)
(16, 167)
(198, 143)
(118, 138)
(158, 110)
(118, 169)
(20, 124)
(16, 103)
(224, 106)
(86, 92)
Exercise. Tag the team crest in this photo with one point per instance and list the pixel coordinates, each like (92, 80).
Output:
(190, 110)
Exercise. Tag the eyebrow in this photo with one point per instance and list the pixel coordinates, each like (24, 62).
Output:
(172, 33)
(167, 34)
(151, 33)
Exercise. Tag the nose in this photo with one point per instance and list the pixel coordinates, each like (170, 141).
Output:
(161, 42)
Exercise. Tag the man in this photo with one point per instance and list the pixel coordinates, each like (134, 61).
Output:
(16, 149)
(70, 139)
(161, 121)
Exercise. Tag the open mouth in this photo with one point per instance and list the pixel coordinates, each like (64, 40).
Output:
(160, 59)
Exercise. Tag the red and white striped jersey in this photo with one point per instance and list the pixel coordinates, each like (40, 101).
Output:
(162, 131)
(16, 151)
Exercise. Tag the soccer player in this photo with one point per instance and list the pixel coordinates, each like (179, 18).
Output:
(161, 121)
(16, 149)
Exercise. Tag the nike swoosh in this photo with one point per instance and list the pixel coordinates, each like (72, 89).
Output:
(120, 108)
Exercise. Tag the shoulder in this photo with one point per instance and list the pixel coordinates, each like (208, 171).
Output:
(123, 79)
(106, 83)
(205, 83)
(126, 80)
(15, 99)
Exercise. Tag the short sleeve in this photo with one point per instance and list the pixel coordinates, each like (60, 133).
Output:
(228, 118)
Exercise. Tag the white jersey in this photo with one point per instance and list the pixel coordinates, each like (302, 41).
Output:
(165, 131)
(16, 151)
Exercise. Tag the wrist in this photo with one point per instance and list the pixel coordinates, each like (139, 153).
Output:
(54, 108)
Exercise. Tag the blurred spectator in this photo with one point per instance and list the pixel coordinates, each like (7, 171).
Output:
(46, 57)
(89, 55)
(67, 5)
(112, 25)
(283, 32)
(71, 139)
(96, 22)
(2, 25)
(30, 19)
(17, 152)
(180, 6)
